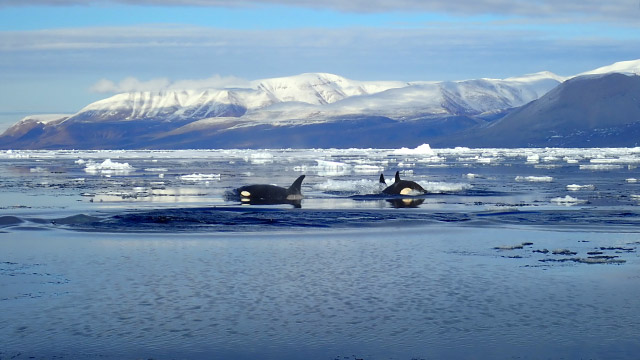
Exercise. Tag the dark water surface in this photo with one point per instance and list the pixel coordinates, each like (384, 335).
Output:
(527, 254)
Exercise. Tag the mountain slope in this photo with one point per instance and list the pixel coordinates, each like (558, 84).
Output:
(589, 110)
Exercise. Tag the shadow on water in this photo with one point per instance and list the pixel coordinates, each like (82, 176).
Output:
(227, 219)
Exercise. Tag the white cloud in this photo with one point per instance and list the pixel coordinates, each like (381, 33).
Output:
(213, 82)
(435, 52)
(129, 84)
(132, 84)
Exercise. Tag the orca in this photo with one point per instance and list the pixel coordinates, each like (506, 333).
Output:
(402, 187)
(263, 194)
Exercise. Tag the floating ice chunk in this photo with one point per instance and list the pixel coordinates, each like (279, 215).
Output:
(200, 177)
(326, 164)
(156, 169)
(367, 169)
(513, 247)
(604, 161)
(600, 167)
(16, 154)
(261, 158)
(423, 149)
(80, 162)
(406, 165)
(432, 159)
(534, 178)
(461, 149)
(575, 187)
(38, 169)
(546, 166)
(567, 200)
(360, 187)
(534, 158)
(108, 167)
(443, 187)
(471, 176)
(332, 168)
(563, 252)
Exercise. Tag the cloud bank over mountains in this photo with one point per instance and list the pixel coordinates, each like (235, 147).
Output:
(132, 84)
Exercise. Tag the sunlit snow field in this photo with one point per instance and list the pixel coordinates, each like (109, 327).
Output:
(512, 253)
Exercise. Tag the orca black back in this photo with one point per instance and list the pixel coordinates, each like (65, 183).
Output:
(402, 187)
(265, 194)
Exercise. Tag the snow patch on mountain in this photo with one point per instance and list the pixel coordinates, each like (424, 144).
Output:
(631, 67)
(319, 88)
(44, 118)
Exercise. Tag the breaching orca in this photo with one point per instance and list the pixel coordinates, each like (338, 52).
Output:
(402, 187)
(271, 194)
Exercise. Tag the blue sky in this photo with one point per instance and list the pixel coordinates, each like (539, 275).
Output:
(59, 55)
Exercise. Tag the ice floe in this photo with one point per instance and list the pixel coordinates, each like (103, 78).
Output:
(354, 187)
(423, 149)
(575, 187)
(600, 167)
(200, 177)
(436, 187)
(534, 178)
(331, 168)
(108, 167)
(38, 169)
(260, 158)
(534, 158)
(368, 169)
(568, 200)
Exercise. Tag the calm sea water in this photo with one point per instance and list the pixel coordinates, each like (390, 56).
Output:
(513, 253)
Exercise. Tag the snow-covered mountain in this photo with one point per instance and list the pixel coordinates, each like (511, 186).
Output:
(317, 97)
(146, 119)
(599, 110)
(310, 89)
(631, 67)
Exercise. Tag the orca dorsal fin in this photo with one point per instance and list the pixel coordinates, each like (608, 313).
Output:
(397, 176)
(294, 189)
(382, 179)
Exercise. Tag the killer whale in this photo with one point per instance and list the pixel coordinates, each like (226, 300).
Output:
(263, 194)
(402, 187)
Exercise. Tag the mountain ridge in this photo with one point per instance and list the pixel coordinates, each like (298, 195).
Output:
(593, 109)
(299, 101)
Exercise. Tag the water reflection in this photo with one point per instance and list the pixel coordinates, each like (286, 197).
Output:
(297, 203)
(406, 202)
